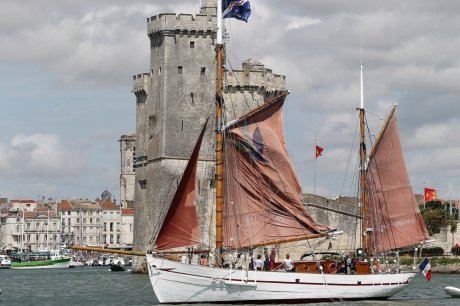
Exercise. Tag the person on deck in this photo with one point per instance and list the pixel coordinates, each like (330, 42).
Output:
(258, 264)
(203, 260)
(289, 264)
(239, 262)
(272, 259)
(266, 263)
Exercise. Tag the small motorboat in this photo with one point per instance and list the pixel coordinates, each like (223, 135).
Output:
(116, 268)
(452, 291)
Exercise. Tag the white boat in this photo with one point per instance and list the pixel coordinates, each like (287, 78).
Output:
(452, 291)
(39, 260)
(176, 282)
(258, 204)
(75, 263)
(117, 261)
(5, 262)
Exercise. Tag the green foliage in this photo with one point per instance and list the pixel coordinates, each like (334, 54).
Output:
(408, 260)
(433, 251)
(435, 217)
(442, 261)
(435, 204)
(434, 261)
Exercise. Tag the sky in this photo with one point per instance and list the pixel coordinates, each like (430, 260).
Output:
(66, 72)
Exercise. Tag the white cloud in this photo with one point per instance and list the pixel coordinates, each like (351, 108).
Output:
(40, 155)
(437, 135)
(301, 22)
(410, 53)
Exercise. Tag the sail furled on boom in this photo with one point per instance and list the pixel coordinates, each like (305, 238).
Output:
(262, 193)
(181, 227)
(392, 211)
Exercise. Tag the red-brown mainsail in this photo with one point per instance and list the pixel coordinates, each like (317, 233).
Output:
(262, 193)
(392, 211)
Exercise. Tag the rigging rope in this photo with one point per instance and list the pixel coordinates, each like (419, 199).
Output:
(349, 157)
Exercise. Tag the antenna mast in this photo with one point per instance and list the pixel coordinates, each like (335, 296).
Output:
(362, 158)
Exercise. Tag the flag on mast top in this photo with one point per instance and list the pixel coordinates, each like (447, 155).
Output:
(319, 151)
(239, 9)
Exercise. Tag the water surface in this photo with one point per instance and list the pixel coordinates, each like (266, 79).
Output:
(99, 286)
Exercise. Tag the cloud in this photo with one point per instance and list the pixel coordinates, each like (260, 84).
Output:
(40, 155)
(103, 46)
(409, 51)
(301, 22)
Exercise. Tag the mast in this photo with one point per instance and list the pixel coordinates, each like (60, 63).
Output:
(219, 146)
(362, 159)
(81, 226)
(47, 227)
(23, 231)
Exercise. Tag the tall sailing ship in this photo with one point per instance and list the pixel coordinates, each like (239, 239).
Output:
(258, 204)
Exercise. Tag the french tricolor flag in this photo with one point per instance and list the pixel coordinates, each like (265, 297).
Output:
(425, 267)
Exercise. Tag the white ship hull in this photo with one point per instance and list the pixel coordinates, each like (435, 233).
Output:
(59, 265)
(175, 282)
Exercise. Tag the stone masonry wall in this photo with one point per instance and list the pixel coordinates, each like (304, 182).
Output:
(127, 176)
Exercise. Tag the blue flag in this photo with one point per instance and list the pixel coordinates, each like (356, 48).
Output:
(239, 9)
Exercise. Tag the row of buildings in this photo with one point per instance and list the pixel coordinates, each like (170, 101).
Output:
(38, 225)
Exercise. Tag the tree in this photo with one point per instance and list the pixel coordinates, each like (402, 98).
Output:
(435, 216)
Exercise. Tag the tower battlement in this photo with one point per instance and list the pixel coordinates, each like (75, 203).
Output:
(253, 80)
(182, 24)
(140, 82)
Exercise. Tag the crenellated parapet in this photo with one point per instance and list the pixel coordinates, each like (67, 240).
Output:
(181, 25)
(254, 77)
(140, 86)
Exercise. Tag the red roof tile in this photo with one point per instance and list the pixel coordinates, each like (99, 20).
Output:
(127, 211)
(108, 204)
(64, 205)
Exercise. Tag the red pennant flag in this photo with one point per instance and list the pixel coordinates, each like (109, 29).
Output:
(319, 150)
(430, 194)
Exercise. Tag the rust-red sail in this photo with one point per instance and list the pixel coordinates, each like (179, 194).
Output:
(180, 227)
(391, 210)
(262, 192)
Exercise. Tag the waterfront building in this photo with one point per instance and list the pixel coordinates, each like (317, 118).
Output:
(30, 230)
(111, 220)
(96, 223)
(23, 205)
(127, 227)
(81, 222)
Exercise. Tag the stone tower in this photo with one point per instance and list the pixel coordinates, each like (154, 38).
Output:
(173, 101)
(127, 176)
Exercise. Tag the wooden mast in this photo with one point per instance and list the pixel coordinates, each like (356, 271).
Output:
(219, 145)
(363, 168)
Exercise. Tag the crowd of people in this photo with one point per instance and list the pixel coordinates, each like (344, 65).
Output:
(268, 263)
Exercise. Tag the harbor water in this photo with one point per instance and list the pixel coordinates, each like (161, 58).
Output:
(99, 286)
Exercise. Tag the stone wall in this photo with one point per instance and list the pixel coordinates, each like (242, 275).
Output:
(445, 239)
(336, 214)
(127, 176)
